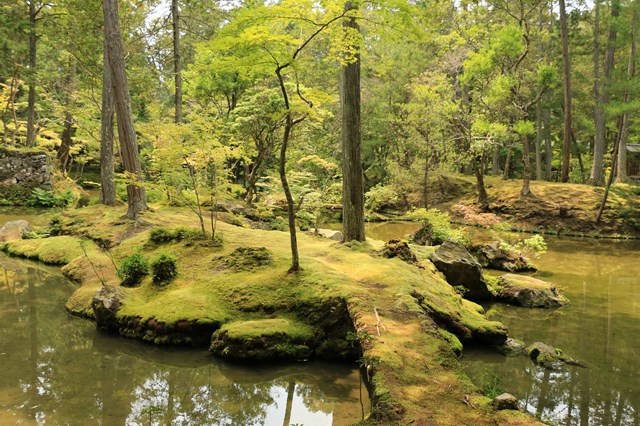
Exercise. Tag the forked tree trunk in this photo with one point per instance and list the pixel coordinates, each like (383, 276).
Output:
(107, 170)
(135, 192)
(352, 177)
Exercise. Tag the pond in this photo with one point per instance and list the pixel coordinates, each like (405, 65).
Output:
(600, 326)
(58, 369)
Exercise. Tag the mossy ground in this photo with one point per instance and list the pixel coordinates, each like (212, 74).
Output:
(562, 208)
(414, 372)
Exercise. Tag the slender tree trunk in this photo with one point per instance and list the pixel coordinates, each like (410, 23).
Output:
(507, 163)
(609, 181)
(597, 171)
(107, 170)
(548, 149)
(526, 185)
(291, 213)
(495, 161)
(68, 132)
(31, 103)
(624, 131)
(425, 193)
(352, 176)
(478, 169)
(177, 65)
(539, 141)
(566, 71)
(135, 193)
(290, 393)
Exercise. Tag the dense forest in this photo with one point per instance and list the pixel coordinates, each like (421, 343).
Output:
(245, 98)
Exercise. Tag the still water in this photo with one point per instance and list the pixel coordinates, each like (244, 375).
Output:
(600, 326)
(58, 369)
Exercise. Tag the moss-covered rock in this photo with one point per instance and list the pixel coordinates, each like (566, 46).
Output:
(277, 339)
(245, 259)
(496, 256)
(529, 292)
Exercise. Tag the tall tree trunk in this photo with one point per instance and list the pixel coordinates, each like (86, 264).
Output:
(624, 131)
(602, 93)
(107, 171)
(353, 181)
(425, 184)
(31, 103)
(290, 393)
(128, 144)
(177, 65)
(526, 185)
(548, 149)
(507, 163)
(539, 141)
(566, 71)
(495, 161)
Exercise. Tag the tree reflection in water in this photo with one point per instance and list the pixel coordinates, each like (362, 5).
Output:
(59, 369)
(600, 326)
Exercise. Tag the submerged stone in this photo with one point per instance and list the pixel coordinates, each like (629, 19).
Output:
(529, 292)
(461, 269)
(512, 347)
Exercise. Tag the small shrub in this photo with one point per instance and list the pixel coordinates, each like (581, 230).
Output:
(380, 197)
(164, 269)
(438, 223)
(41, 197)
(133, 270)
(55, 226)
(163, 235)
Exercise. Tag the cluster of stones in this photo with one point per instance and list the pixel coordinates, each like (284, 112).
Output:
(24, 168)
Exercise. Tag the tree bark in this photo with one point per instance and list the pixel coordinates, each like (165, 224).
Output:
(107, 170)
(31, 102)
(495, 162)
(538, 141)
(136, 197)
(526, 185)
(566, 71)
(478, 169)
(507, 163)
(64, 151)
(352, 176)
(548, 149)
(624, 131)
(177, 65)
(597, 171)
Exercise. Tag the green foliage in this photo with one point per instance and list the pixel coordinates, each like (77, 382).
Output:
(164, 269)
(380, 197)
(133, 269)
(41, 197)
(55, 225)
(162, 235)
(439, 224)
(533, 246)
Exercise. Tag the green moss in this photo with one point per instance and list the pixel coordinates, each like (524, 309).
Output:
(453, 341)
(268, 327)
(53, 251)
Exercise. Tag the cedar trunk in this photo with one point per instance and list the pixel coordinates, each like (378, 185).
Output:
(177, 66)
(31, 102)
(107, 172)
(136, 196)
(352, 181)
(566, 71)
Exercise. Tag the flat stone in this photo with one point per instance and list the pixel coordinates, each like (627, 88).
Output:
(13, 230)
(529, 292)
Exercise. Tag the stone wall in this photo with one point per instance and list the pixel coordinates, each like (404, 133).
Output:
(25, 168)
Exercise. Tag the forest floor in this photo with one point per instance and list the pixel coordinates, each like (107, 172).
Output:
(399, 317)
(552, 208)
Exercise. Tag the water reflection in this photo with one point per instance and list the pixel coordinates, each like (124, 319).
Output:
(58, 370)
(600, 326)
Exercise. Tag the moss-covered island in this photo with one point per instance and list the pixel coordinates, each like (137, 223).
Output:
(400, 320)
